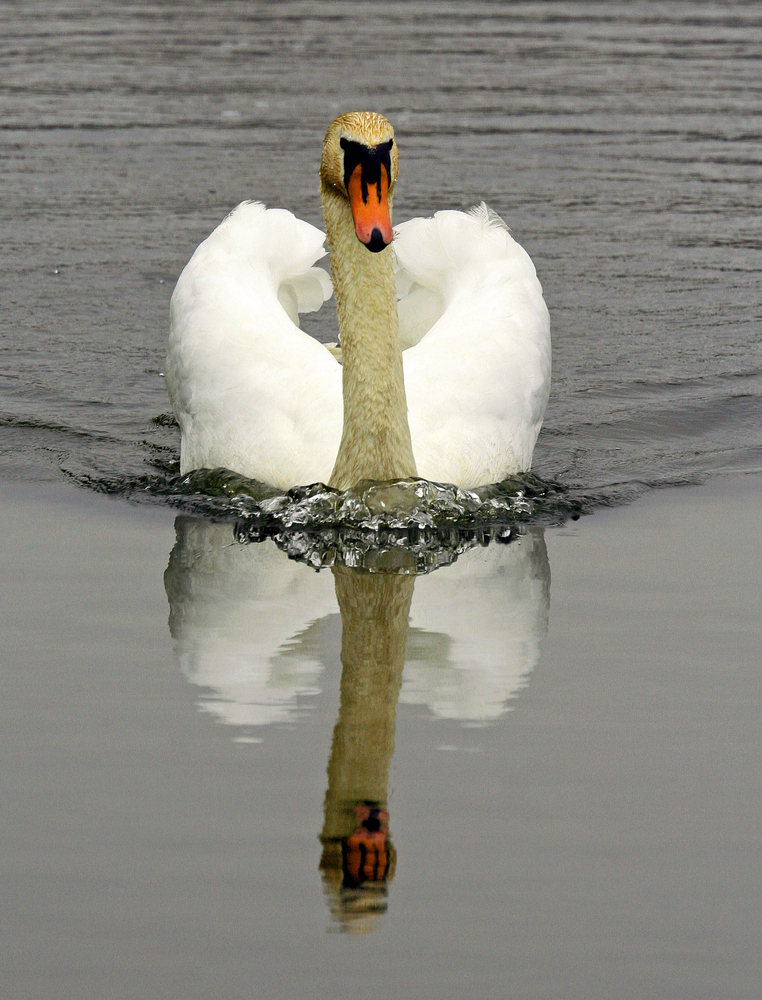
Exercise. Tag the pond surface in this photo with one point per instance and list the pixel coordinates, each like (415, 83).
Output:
(229, 775)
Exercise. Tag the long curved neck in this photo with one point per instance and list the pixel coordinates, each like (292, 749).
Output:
(375, 441)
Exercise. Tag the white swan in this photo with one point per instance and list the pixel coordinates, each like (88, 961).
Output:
(255, 394)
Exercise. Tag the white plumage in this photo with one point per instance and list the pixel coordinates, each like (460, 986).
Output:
(478, 378)
(254, 393)
(250, 390)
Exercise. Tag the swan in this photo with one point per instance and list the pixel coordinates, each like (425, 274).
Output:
(443, 370)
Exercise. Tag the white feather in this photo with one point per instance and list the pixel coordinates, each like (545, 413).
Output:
(250, 390)
(478, 379)
(255, 394)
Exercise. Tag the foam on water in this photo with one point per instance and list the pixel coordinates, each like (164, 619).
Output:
(406, 525)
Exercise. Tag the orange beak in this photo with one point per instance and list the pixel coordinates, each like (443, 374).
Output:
(370, 209)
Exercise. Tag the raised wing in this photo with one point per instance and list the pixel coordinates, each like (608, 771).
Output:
(477, 374)
(250, 390)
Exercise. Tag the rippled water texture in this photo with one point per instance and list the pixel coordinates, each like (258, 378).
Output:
(620, 142)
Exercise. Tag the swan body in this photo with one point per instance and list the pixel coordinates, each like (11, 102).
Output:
(445, 338)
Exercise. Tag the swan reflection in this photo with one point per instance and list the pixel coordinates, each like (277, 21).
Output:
(256, 633)
(252, 629)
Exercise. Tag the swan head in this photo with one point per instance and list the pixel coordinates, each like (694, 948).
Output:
(359, 163)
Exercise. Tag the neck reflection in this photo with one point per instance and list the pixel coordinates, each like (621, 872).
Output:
(358, 857)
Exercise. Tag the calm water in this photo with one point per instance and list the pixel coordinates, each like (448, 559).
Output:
(571, 807)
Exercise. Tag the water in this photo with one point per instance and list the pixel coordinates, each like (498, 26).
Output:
(570, 767)
(619, 144)
(572, 793)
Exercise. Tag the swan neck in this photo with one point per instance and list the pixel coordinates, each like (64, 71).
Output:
(375, 442)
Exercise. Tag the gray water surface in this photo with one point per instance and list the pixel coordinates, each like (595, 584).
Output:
(620, 141)
(573, 798)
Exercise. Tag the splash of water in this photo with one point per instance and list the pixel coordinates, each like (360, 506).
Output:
(402, 526)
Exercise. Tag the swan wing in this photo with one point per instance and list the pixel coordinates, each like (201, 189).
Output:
(250, 390)
(477, 373)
